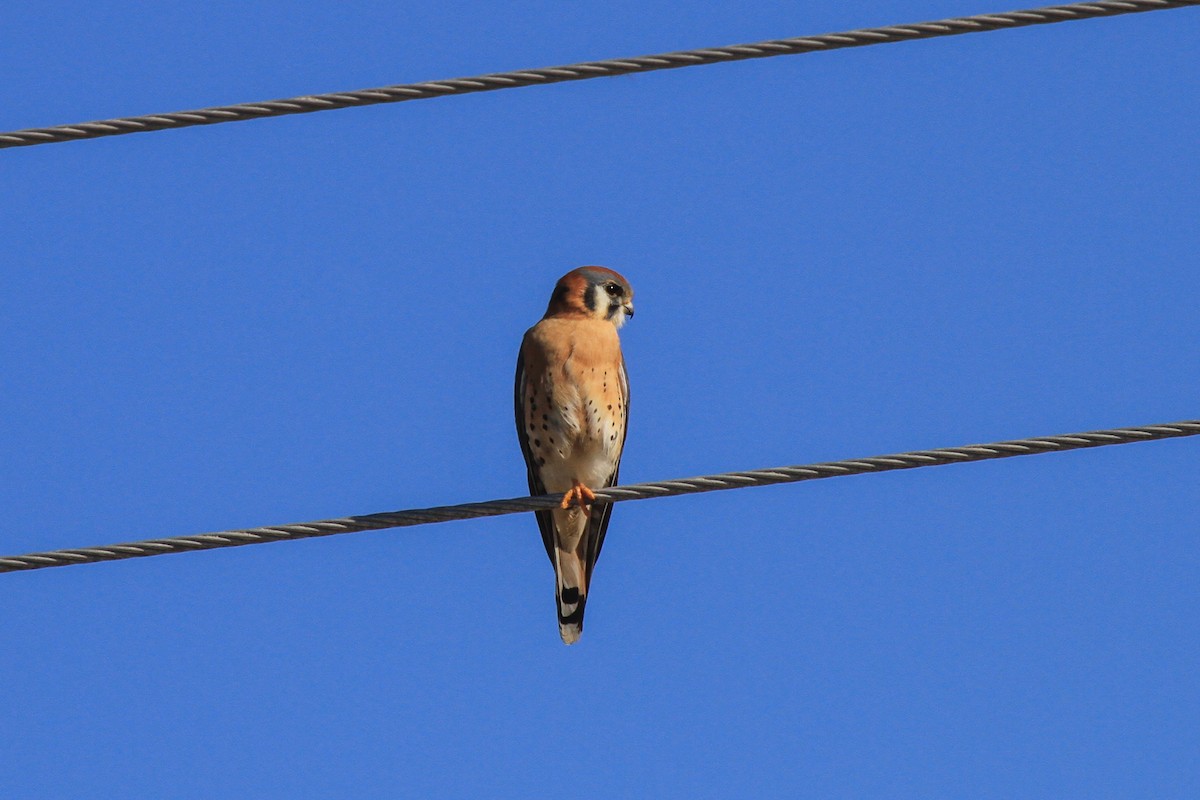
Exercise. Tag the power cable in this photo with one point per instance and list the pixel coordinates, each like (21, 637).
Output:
(584, 71)
(615, 494)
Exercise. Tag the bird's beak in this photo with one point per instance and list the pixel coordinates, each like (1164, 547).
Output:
(629, 310)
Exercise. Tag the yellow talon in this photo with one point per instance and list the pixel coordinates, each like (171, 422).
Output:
(579, 495)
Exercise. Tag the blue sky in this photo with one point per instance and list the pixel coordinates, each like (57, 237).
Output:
(835, 255)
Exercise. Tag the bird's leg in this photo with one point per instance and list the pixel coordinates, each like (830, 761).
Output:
(571, 497)
(579, 495)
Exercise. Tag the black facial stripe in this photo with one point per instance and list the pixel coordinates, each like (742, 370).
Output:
(613, 308)
(589, 298)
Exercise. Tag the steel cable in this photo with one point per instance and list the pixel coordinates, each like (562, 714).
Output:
(616, 494)
(584, 71)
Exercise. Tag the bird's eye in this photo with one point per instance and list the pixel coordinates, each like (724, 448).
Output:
(613, 289)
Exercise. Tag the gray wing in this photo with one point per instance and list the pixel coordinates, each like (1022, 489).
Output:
(544, 519)
(598, 524)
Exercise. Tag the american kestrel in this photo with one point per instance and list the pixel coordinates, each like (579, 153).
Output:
(572, 406)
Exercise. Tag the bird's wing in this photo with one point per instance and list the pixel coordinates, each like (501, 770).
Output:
(598, 523)
(536, 487)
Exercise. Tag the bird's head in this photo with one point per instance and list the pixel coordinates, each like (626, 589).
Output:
(592, 292)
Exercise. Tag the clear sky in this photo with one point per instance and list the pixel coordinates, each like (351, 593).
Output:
(835, 255)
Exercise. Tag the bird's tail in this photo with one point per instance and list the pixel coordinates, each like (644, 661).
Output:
(571, 594)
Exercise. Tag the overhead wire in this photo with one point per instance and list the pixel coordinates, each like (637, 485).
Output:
(584, 71)
(615, 494)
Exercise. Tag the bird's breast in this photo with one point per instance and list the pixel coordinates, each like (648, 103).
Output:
(576, 400)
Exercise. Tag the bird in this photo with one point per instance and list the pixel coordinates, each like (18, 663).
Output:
(572, 413)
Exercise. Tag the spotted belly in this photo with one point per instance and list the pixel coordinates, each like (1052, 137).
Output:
(573, 439)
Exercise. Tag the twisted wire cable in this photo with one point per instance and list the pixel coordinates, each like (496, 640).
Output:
(585, 70)
(615, 494)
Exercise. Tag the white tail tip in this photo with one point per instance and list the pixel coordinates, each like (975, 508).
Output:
(570, 633)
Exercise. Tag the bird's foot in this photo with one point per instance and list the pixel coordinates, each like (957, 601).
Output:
(579, 495)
